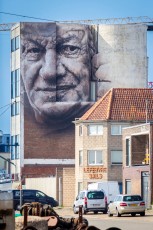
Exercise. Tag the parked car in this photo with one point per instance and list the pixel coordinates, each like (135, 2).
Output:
(32, 195)
(91, 201)
(127, 204)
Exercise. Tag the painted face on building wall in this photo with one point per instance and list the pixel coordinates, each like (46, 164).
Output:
(56, 69)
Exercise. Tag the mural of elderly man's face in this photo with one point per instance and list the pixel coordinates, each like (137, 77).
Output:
(55, 68)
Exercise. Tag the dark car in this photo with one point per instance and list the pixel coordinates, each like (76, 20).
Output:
(32, 195)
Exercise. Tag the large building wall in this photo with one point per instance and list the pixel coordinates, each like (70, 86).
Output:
(123, 49)
(59, 63)
(64, 68)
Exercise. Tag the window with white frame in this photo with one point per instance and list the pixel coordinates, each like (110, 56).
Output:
(116, 157)
(80, 157)
(95, 157)
(95, 130)
(117, 129)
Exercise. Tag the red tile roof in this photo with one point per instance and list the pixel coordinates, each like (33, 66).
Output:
(123, 104)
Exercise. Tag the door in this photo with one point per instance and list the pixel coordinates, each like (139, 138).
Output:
(145, 187)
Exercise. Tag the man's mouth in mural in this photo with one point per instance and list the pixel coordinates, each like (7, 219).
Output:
(65, 87)
(48, 89)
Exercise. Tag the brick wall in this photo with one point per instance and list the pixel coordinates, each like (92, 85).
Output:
(68, 187)
(106, 143)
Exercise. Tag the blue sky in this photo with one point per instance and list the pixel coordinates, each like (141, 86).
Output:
(60, 10)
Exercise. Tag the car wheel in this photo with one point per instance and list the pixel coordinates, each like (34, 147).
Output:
(74, 210)
(133, 214)
(105, 212)
(109, 214)
(83, 211)
(117, 213)
(142, 214)
(95, 212)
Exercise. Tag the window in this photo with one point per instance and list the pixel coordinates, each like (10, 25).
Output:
(127, 186)
(12, 148)
(80, 130)
(15, 43)
(15, 83)
(15, 147)
(80, 157)
(95, 195)
(117, 129)
(93, 91)
(128, 153)
(29, 193)
(40, 194)
(120, 187)
(15, 108)
(116, 157)
(95, 130)
(95, 157)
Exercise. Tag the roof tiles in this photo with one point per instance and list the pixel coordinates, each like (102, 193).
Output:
(123, 104)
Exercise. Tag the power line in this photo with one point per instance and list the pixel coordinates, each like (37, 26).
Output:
(6, 105)
(4, 111)
(126, 20)
(24, 16)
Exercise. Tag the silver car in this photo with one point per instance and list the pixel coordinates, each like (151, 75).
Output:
(91, 201)
(127, 204)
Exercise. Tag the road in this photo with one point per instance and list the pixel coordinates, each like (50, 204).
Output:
(102, 221)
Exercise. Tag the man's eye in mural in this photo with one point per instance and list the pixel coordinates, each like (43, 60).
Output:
(68, 50)
(34, 50)
(34, 53)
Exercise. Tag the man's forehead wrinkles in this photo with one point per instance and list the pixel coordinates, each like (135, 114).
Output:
(79, 34)
(43, 41)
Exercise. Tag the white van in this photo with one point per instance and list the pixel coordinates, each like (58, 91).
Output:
(111, 188)
(91, 201)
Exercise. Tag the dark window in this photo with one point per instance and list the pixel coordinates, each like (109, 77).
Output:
(15, 43)
(15, 108)
(17, 194)
(128, 158)
(95, 195)
(15, 147)
(132, 198)
(15, 83)
(29, 193)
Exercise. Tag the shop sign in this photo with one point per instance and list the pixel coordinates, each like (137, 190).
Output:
(95, 172)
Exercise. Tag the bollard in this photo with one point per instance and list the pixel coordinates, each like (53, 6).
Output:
(80, 214)
(25, 216)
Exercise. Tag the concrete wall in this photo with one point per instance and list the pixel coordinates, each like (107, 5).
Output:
(46, 185)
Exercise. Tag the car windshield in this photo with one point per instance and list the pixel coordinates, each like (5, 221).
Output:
(132, 198)
(95, 195)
